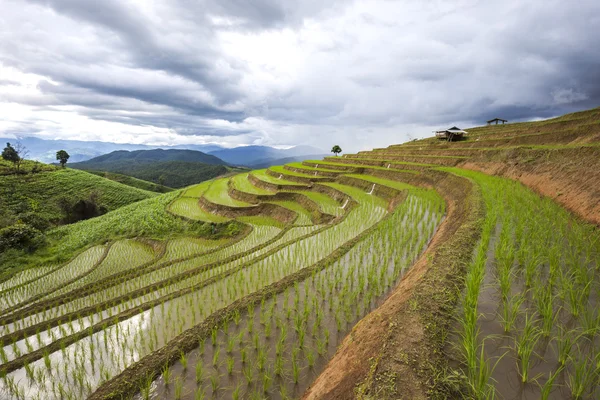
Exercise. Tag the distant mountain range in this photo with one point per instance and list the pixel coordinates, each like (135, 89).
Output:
(286, 160)
(155, 155)
(173, 168)
(253, 155)
(45, 150)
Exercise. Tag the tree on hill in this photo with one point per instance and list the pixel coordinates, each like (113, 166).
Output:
(336, 149)
(62, 156)
(15, 154)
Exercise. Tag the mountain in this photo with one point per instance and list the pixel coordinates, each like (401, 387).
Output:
(45, 150)
(286, 160)
(251, 155)
(173, 168)
(155, 155)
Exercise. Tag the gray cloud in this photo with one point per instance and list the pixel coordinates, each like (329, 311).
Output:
(282, 72)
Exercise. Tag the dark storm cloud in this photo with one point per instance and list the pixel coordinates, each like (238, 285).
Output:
(349, 70)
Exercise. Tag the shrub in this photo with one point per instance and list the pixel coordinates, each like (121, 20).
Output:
(22, 237)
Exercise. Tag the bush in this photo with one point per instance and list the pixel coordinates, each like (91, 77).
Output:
(34, 220)
(21, 236)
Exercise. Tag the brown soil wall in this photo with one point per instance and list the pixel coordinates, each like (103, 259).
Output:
(390, 351)
(272, 186)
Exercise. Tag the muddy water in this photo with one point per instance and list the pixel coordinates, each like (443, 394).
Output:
(500, 347)
(333, 301)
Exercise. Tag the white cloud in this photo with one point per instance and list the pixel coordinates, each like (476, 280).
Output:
(358, 73)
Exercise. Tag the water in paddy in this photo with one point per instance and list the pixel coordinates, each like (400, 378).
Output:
(276, 349)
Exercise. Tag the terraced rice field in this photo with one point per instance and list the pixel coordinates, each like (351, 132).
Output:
(362, 253)
(68, 330)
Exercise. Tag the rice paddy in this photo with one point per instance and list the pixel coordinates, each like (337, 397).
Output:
(211, 298)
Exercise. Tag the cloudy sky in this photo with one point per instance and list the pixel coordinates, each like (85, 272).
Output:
(359, 74)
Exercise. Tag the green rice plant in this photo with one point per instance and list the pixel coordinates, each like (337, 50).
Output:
(267, 380)
(237, 392)
(261, 358)
(166, 374)
(590, 322)
(525, 345)
(199, 371)
(249, 374)
(580, 379)
(213, 336)
(214, 384)
(199, 394)
(295, 371)
(510, 311)
(201, 346)
(178, 388)
(230, 364)
(231, 341)
(547, 387)
(183, 360)
(544, 302)
(244, 355)
(215, 359)
(278, 367)
(310, 358)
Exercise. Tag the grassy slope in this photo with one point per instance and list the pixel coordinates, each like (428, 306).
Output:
(133, 182)
(41, 192)
(175, 174)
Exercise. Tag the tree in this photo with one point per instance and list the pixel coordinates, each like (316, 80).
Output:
(15, 154)
(336, 149)
(62, 156)
(10, 154)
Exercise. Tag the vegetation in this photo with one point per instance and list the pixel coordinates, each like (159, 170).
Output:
(336, 149)
(133, 182)
(214, 291)
(62, 157)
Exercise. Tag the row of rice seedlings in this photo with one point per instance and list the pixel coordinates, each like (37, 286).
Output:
(78, 266)
(123, 255)
(171, 318)
(169, 271)
(26, 276)
(299, 329)
(546, 269)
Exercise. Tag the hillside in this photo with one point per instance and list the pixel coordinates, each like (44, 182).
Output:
(428, 269)
(155, 155)
(54, 197)
(171, 168)
(133, 182)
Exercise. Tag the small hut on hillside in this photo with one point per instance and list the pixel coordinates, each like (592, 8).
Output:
(496, 120)
(451, 134)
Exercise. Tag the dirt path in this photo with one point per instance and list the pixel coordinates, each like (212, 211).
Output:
(384, 355)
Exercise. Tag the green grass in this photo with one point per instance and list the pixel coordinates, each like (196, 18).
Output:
(188, 207)
(41, 192)
(196, 190)
(133, 182)
(304, 216)
(377, 160)
(310, 170)
(384, 182)
(327, 204)
(241, 183)
(262, 175)
(147, 218)
(280, 170)
(260, 220)
(218, 193)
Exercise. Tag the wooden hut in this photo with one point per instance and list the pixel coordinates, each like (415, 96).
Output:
(496, 120)
(451, 134)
